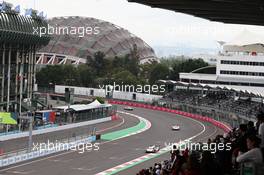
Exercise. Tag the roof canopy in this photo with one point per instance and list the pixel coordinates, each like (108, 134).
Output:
(228, 11)
(18, 29)
(83, 107)
(255, 91)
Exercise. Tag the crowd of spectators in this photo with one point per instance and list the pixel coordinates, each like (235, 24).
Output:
(218, 100)
(247, 146)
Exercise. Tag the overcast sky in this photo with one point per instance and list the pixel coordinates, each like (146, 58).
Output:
(157, 27)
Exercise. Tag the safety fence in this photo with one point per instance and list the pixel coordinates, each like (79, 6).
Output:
(29, 155)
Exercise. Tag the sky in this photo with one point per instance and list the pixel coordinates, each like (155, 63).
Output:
(158, 27)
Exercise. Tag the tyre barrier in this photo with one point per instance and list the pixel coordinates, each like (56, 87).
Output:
(216, 123)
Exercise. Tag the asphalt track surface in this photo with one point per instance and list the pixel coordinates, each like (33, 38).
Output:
(119, 151)
(22, 143)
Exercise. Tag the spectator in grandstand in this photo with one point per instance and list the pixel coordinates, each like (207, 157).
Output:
(242, 139)
(193, 165)
(254, 154)
(208, 164)
(177, 166)
(260, 127)
(251, 129)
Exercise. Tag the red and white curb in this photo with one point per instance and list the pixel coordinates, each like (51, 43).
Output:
(127, 164)
(136, 161)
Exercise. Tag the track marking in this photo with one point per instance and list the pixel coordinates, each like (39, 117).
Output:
(84, 169)
(148, 126)
(100, 131)
(120, 124)
(209, 136)
(147, 157)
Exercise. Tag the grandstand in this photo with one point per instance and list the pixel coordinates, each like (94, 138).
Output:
(106, 37)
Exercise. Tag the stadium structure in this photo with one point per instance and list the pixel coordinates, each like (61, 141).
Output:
(104, 36)
(18, 45)
(232, 88)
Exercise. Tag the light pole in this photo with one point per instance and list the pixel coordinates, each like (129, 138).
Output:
(30, 130)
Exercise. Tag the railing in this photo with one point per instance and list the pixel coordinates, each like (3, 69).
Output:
(252, 169)
(25, 154)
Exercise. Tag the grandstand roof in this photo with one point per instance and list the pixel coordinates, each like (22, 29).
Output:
(228, 11)
(256, 91)
(111, 39)
(18, 29)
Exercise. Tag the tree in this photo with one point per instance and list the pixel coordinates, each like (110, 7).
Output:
(186, 66)
(97, 63)
(125, 78)
(50, 74)
(70, 75)
(159, 71)
(133, 65)
(85, 75)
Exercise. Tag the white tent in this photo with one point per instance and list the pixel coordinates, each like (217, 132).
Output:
(246, 42)
(81, 107)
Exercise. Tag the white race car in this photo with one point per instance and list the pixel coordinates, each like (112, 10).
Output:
(175, 127)
(152, 149)
(128, 108)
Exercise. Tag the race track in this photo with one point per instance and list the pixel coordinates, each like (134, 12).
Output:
(119, 151)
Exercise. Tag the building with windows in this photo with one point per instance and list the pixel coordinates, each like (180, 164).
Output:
(240, 66)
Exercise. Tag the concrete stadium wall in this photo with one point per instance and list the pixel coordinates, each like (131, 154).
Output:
(140, 97)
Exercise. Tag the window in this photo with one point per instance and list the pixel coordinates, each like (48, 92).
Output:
(261, 74)
(242, 63)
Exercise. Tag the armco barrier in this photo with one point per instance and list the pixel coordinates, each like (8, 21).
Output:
(186, 114)
(40, 153)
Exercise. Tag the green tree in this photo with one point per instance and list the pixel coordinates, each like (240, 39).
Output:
(85, 75)
(70, 75)
(159, 71)
(186, 66)
(125, 77)
(133, 61)
(97, 63)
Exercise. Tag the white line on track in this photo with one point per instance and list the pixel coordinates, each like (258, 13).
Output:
(120, 124)
(209, 136)
(71, 151)
(137, 160)
(100, 131)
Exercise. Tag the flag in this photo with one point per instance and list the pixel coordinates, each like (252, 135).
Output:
(17, 9)
(7, 118)
(41, 14)
(28, 12)
(46, 17)
(3, 6)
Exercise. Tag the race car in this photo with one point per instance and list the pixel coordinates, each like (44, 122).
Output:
(152, 149)
(128, 108)
(175, 127)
